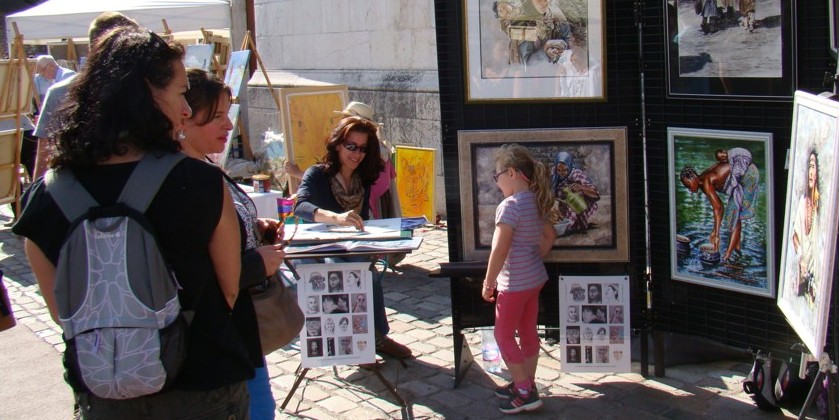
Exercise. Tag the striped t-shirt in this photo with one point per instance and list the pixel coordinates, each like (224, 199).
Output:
(523, 269)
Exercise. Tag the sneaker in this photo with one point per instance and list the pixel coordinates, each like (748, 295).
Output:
(505, 392)
(387, 346)
(518, 403)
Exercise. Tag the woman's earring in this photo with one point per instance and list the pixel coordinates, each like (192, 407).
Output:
(181, 135)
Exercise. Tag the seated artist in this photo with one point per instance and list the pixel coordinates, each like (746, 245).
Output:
(337, 191)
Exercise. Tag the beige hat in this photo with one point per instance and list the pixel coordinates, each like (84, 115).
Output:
(358, 109)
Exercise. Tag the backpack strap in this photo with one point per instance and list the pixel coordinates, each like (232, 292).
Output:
(147, 178)
(68, 193)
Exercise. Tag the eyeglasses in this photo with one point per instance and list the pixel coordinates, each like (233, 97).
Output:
(355, 148)
(495, 176)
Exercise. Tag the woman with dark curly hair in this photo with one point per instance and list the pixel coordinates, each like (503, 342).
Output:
(126, 106)
(337, 191)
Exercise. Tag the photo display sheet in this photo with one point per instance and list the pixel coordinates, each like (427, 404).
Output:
(337, 300)
(594, 315)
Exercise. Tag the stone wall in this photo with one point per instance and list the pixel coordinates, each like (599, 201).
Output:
(383, 50)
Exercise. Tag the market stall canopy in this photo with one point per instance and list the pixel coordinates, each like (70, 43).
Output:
(60, 19)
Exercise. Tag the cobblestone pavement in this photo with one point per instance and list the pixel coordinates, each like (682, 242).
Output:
(420, 317)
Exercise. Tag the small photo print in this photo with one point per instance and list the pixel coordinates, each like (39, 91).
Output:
(611, 293)
(313, 327)
(354, 282)
(359, 302)
(345, 346)
(601, 336)
(601, 354)
(593, 314)
(617, 355)
(616, 335)
(330, 346)
(314, 347)
(572, 354)
(588, 356)
(361, 344)
(344, 325)
(316, 282)
(359, 324)
(335, 281)
(577, 293)
(312, 305)
(595, 293)
(573, 314)
(616, 314)
(336, 304)
(328, 326)
(588, 335)
(572, 335)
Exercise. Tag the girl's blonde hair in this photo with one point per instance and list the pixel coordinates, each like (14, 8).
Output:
(519, 158)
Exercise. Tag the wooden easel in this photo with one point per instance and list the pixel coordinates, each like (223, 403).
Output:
(247, 43)
(15, 103)
(221, 50)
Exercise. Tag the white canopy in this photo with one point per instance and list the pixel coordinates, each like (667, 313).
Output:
(56, 19)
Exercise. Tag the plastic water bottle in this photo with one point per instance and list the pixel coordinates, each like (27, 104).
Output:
(489, 351)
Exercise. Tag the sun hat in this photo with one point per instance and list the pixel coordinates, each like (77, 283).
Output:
(358, 109)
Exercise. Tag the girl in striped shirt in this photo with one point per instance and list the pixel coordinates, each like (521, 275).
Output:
(523, 235)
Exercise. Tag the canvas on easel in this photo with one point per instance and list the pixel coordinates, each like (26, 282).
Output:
(236, 68)
(415, 174)
(308, 116)
(811, 222)
(199, 56)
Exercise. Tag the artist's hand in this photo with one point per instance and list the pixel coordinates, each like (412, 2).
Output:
(293, 170)
(272, 257)
(350, 218)
(488, 293)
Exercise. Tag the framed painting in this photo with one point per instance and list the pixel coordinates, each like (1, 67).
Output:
(588, 178)
(199, 56)
(308, 116)
(337, 300)
(415, 180)
(731, 50)
(237, 67)
(833, 13)
(16, 97)
(810, 225)
(594, 315)
(721, 214)
(534, 50)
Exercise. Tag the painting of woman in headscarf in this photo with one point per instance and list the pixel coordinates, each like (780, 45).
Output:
(576, 195)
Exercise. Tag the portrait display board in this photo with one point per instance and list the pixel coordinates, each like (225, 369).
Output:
(337, 300)
(721, 209)
(534, 50)
(720, 51)
(810, 224)
(415, 175)
(590, 191)
(308, 116)
(594, 315)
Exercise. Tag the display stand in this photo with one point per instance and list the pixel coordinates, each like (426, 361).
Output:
(300, 374)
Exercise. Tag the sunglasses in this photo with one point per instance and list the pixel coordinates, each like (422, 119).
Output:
(495, 176)
(354, 147)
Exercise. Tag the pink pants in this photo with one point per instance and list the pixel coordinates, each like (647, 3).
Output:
(517, 312)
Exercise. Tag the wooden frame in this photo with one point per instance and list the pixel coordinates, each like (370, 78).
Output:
(308, 116)
(497, 70)
(415, 175)
(730, 61)
(715, 156)
(601, 155)
(809, 241)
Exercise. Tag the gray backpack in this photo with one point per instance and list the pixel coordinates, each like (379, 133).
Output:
(117, 297)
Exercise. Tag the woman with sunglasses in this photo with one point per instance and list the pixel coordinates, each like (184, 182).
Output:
(337, 191)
